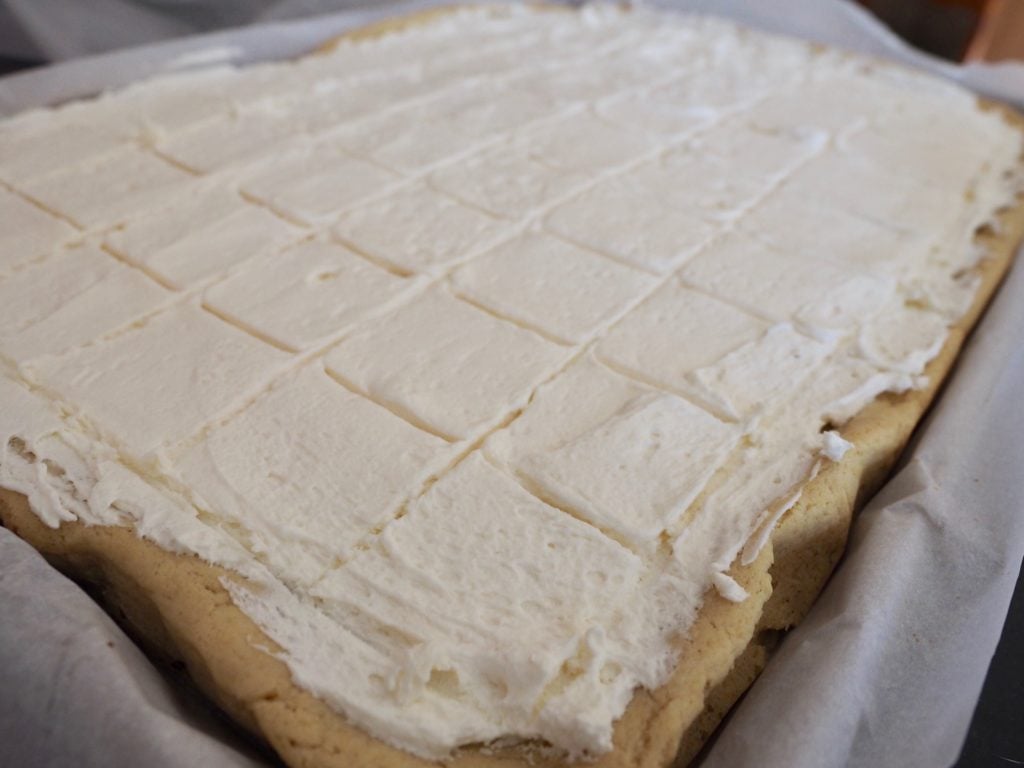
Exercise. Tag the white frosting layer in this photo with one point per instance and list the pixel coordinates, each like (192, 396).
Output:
(826, 301)
(446, 365)
(626, 458)
(418, 229)
(475, 113)
(27, 232)
(508, 181)
(161, 382)
(550, 285)
(89, 294)
(303, 296)
(131, 181)
(674, 332)
(584, 143)
(299, 514)
(483, 349)
(629, 219)
(834, 446)
(32, 146)
(302, 183)
(416, 592)
(200, 236)
(225, 140)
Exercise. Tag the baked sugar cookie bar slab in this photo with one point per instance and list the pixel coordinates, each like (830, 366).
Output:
(217, 640)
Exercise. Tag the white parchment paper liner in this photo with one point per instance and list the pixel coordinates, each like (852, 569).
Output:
(886, 669)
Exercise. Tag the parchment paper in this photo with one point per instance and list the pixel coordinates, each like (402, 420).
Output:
(886, 669)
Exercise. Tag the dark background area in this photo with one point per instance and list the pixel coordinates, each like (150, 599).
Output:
(9, 65)
(942, 27)
(996, 737)
(945, 28)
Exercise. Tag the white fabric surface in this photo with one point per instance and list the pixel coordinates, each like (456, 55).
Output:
(886, 669)
(57, 30)
(74, 690)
